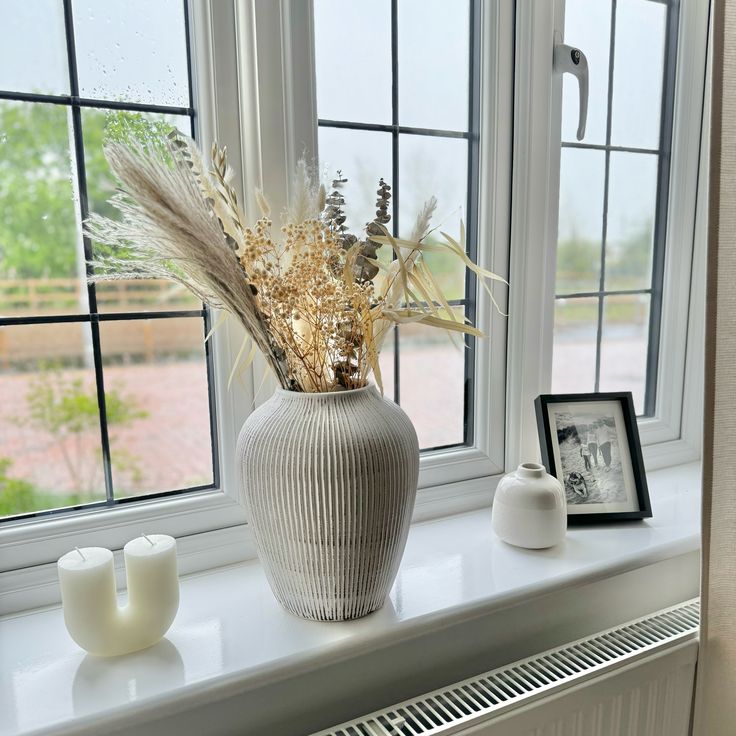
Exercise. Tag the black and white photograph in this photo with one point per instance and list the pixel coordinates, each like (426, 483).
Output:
(590, 457)
(590, 443)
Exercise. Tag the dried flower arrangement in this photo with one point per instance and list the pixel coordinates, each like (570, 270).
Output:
(313, 297)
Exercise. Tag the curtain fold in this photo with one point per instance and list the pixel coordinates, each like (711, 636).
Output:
(715, 696)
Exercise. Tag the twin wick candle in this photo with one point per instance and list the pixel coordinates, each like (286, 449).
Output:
(91, 612)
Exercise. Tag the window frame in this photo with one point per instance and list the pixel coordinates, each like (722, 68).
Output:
(75, 104)
(242, 47)
(458, 477)
(671, 435)
(663, 153)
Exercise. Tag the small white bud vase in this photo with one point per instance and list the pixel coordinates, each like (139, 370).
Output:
(529, 508)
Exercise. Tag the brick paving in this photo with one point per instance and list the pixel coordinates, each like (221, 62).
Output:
(171, 446)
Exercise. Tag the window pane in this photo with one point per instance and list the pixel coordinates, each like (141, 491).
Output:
(638, 73)
(33, 47)
(588, 25)
(41, 253)
(352, 44)
(99, 127)
(431, 166)
(632, 206)
(363, 157)
(432, 383)
(50, 453)
(433, 63)
(132, 50)
(157, 404)
(582, 173)
(573, 357)
(625, 341)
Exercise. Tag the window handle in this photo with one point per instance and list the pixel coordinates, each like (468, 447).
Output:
(572, 60)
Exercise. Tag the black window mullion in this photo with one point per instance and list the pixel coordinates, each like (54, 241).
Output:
(43, 319)
(471, 243)
(393, 127)
(76, 100)
(395, 167)
(76, 114)
(206, 311)
(604, 293)
(606, 187)
(660, 222)
(607, 147)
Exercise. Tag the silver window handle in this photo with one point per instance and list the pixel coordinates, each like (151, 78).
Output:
(572, 60)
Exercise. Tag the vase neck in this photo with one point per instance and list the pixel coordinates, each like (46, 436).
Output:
(531, 470)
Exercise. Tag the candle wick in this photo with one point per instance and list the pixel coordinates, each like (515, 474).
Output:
(81, 554)
(147, 538)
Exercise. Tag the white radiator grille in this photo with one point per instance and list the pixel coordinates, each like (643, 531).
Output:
(499, 691)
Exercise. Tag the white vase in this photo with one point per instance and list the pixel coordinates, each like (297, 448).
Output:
(328, 481)
(529, 508)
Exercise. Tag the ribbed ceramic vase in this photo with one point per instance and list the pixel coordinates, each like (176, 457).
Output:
(329, 481)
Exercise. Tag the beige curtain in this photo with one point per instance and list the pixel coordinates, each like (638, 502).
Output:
(715, 701)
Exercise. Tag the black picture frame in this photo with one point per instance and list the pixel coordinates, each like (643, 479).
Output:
(549, 438)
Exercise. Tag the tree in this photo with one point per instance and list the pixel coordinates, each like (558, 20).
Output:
(39, 230)
(67, 411)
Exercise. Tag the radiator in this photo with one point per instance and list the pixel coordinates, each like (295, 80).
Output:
(632, 680)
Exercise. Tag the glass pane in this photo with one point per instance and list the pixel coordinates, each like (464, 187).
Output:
(632, 206)
(434, 54)
(352, 44)
(582, 173)
(624, 345)
(132, 50)
(157, 404)
(588, 25)
(435, 166)
(49, 421)
(386, 361)
(100, 126)
(363, 157)
(41, 253)
(432, 382)
(33, 47)
(637, 73)
(573, 357)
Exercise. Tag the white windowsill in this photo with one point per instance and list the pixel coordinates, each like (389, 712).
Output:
(463, 601)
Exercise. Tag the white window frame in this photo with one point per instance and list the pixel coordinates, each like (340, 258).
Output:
(672, 435)
(254, 92)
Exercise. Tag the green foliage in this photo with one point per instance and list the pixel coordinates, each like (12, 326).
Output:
(65, 409)
(62, 406)
(627, 262)
(18, 496)
(39, 232)
(37, 229)
(578, 265)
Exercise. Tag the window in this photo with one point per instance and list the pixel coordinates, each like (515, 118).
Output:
(105, 387)
(472, 117)
(614, 190)
(391, 106)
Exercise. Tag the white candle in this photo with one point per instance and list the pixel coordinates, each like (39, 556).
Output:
(91, 612)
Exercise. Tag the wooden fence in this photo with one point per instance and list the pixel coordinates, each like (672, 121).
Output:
(70, 341)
